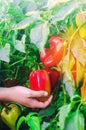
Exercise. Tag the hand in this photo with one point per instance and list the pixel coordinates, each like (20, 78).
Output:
(27, 97)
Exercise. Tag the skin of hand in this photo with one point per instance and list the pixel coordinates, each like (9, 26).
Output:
(24, 96)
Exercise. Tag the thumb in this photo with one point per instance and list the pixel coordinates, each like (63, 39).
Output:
(38, 93)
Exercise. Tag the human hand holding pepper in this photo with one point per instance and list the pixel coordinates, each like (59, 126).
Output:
(24, 96)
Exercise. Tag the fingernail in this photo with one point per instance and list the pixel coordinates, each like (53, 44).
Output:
(46, 93)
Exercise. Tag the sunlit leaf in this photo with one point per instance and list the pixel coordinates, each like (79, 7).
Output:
(75, 121)
(39, 35)
(69, 83)
(53, 3)
(5, 53)
(44, 125)
(20, 44)
(64, 111)
(78, 49)
(16, 12)
(30, 13)
(81, 18)
(27, 21)
(67, 64)
(33, 122)
(31, 5)
(61, 10)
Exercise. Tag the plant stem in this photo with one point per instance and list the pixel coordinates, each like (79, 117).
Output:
(17, 62)
(16, 72)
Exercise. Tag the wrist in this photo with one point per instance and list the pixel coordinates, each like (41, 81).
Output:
(5, 94)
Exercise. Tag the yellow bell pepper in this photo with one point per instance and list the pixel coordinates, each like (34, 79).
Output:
(10, 115)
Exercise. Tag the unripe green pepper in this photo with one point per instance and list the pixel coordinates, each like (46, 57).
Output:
(10, 115)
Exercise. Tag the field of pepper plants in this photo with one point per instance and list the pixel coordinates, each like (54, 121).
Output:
(44, 38)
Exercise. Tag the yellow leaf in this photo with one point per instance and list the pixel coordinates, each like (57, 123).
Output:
(80, 18)
(78, 49)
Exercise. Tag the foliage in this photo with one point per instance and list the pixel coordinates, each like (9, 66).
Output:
(25, 27)
(32, 120)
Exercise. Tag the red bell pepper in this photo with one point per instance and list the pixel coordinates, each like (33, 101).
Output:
(54, 76)
(53, 55)
(39, 80)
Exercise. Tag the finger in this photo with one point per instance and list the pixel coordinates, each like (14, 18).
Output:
(38, 104)
(46, 103)
(37, 93)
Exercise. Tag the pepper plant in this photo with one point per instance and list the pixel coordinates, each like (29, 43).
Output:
(35, 34)
(32, 120)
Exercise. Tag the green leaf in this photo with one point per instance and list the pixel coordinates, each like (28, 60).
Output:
(44, 125)
(30, 13)
(83, 110)
(20, 121)
(33, 122)
(64, 111)
(67, 80)
(2, 10)
(67, 62)
(32, 114)
(39, 35)
(53, 3)
(60, 10)
(5, 52)
(20, 44)
(75, 120)
(27, 21)
(16, 12)
(47, 111)
(76, 98)
(28, 5)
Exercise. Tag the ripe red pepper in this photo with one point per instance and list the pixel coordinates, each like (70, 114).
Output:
(39, 80)
(54, 76)
(53, 55)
